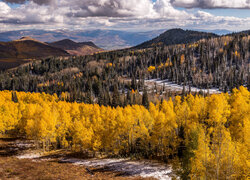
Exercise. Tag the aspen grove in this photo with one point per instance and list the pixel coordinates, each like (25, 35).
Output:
(203, 137)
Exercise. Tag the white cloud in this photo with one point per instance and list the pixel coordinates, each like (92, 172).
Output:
(4, 8)
(115, 14)
(109, 8)
(165, 9)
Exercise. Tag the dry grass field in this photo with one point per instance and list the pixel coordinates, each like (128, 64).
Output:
(14, 168)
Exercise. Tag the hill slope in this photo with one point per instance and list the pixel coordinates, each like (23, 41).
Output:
(176, 36)
(220, 64)
(74, 48)
(15, 53)
(26, 48)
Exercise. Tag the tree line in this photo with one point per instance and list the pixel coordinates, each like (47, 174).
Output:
(109, 78)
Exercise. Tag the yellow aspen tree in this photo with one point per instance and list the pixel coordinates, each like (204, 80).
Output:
(239, 126)
(240, 103)
(121, 136)
(201, 161)
(170, 127)
(158, 134)
(63, 123)
(81, 136)
(218, 109)
(129, 128)
(98, 127)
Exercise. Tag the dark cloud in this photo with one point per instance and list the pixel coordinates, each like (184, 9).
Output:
(40, 2)
(210, 4)
(18, 22)
(15, 1)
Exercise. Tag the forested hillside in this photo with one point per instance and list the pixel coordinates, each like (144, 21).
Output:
(118, 77)
(176, 36)
(200, 137)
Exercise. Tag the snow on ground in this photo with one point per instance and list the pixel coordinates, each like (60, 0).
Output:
(175, 87)
(145, 168)
(24, 144)
(131, 168)
(29, 156)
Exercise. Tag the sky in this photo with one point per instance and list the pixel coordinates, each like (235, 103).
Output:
(130, 15)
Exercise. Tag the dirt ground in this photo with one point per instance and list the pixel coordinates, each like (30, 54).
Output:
(13, 168)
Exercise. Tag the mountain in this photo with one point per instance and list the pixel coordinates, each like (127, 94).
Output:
(74, 48)
(246, 32)
(27, 47)
(27, 38)
(14, 53)
(106, 39)
(215, 31)
(176, 36)
(69, 44)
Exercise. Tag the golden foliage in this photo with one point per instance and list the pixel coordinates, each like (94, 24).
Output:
(214, 130)
(151, 69)
(237, 54)
(109, 65)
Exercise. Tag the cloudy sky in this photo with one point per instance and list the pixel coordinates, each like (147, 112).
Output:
(136, 15)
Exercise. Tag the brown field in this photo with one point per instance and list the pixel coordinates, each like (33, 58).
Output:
(17, 169)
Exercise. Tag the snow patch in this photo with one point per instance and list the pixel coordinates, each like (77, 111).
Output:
(24, 145)
(172, 86)
(132, 168)
(29, 156)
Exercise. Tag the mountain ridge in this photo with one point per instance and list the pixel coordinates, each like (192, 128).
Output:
(76, 48)
(25, 48)
(106, 39)
(176, 36)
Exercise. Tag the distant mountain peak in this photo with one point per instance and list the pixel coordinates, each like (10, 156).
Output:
(28, 38)
(67, 41)
(75, 48)
(177, 36)
(24, 38)
(28, 48)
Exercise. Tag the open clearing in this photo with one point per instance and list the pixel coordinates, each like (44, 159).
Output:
(20, 160)
(175, 87)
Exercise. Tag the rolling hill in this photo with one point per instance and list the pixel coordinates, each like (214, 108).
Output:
(26, 48)
(74, 48)
(17, 52)
(106, 39)
(176, 36)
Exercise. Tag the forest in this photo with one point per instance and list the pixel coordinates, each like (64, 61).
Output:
(117, 78)
(202, 137)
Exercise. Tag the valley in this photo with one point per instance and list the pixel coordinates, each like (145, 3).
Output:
(174, 107)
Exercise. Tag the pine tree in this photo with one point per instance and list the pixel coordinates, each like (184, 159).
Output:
(116, 97)
(14, 96)
(145, 101)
